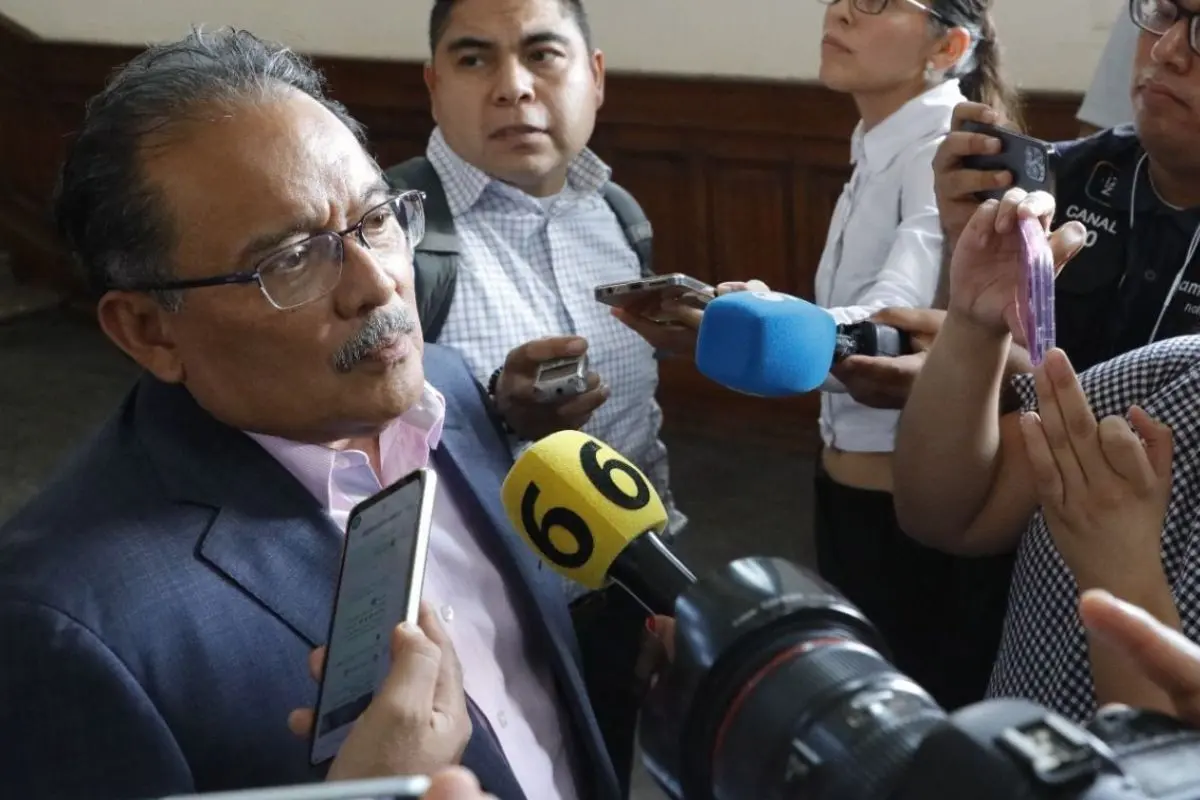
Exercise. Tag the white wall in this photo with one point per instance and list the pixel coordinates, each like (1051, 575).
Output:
(1050, 44)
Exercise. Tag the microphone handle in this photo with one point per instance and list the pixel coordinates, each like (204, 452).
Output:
(651, 574)
(870, 339)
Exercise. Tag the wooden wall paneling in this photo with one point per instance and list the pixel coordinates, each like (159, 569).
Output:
(30, 135)
(662, 181)
(739, 178)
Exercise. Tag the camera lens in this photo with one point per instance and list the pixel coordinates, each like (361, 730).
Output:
(814, 714)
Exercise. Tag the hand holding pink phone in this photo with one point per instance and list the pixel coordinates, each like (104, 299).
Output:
(1037, 290)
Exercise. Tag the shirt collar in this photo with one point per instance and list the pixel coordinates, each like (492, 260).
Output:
(465, 183)
(404, 446)
(926, 115)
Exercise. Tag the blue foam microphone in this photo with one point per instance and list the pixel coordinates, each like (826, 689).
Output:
(771, 344)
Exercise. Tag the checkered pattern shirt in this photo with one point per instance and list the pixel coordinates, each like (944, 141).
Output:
(527, 270)
(1043, 652)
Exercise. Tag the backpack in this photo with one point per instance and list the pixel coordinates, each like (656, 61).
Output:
(435, 262)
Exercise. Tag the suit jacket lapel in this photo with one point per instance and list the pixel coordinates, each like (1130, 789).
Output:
(269, 535)
(481, 469)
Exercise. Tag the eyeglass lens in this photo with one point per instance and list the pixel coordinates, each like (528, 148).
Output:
(1159, 16)
(311, 268)
(862, 6)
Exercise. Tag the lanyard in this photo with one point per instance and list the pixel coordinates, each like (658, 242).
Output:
(1187, 259)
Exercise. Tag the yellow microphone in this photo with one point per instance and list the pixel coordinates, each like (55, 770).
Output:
(593, 517)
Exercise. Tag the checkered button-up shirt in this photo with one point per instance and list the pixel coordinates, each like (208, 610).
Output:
(1043, 652)
(527, 269)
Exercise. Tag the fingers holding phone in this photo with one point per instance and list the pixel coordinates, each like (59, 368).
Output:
(417, 722)
(958, 185)
(546, 386)
(666, 311)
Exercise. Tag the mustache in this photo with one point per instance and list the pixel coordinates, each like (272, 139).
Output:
(381, 326)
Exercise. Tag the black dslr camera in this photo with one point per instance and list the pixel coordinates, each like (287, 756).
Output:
(778, 692)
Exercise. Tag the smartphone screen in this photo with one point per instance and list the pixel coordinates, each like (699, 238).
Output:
(383, 570)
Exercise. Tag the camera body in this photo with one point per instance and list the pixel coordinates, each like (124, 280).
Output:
(778, 690)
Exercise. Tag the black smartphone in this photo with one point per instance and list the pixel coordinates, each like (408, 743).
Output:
(379, 586)
(1031, 161)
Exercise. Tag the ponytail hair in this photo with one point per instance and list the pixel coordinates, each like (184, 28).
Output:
(982, 80)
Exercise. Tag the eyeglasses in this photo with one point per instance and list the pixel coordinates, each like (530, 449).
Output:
(1157, 17)
(309, 269)
(874, 7)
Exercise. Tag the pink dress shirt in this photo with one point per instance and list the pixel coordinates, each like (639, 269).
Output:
(510, 683)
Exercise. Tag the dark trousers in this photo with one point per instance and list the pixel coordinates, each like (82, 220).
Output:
(939, 615)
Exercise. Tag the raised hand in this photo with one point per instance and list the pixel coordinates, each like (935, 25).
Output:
(515, 396)
(987, 269)
(1104, 486)
(1163, 656)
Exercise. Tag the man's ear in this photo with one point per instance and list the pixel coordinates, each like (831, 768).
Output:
(431, 86)
(598, 75)
(142, 327)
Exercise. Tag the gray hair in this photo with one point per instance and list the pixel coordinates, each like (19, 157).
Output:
(115, 224)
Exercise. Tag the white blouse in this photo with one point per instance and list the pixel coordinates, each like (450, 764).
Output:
(885, 245)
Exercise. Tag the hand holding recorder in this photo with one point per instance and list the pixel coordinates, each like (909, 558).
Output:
(545, 386)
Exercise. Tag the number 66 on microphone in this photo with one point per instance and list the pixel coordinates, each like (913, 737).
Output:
(578, 503)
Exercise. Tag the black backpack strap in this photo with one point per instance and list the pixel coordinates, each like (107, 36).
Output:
(635, 223)
(435, 262)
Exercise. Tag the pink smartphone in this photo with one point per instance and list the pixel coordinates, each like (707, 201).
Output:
(1037, 295)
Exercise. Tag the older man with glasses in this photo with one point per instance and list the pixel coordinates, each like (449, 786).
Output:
(161, 599)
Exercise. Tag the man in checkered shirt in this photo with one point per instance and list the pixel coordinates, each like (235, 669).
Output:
(515, 88)
(1083, 503)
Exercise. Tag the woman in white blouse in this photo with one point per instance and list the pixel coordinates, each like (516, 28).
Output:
(906, 63)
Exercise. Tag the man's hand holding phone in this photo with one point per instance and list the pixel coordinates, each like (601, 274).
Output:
(677, 335)
(417, 722)
(531, 417)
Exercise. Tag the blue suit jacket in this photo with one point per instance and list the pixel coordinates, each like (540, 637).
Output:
(159, 599)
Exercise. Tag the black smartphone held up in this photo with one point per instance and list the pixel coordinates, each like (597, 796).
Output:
(410, 788)
(383, 571)
(1029, 160)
